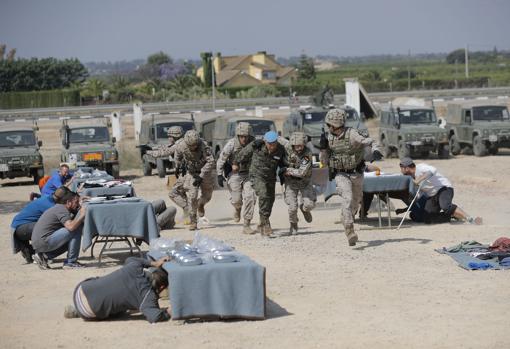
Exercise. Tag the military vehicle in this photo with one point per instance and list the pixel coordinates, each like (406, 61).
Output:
(412, 131)
(478, 125)
(89, 144)
(153, 134)
(218, 131)
(19, 153)
(310, 120)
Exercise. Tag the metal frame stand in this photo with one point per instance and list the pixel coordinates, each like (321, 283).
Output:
(111, 239)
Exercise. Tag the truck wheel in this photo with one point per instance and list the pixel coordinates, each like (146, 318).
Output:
(160, 165)
(403, 150)
(147, 168)
(443, 151)
(387, 152)
(115, 171)
(424, 154)
(493, 150)
(479, 148)
(454, 145)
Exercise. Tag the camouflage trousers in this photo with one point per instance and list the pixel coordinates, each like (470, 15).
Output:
(349, 187)
(242, 194)
(186, 195)
(265, 191)
(291, 196)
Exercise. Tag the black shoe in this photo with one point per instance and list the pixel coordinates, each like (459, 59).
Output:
(27, 253)
(41, 261)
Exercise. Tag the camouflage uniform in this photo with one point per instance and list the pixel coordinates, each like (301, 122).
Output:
(298, 181)
(167, 150)
(263, 166)
(199, 176)
(238, 182)
(345, 157)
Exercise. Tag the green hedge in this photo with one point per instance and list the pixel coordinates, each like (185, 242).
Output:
(39, 99)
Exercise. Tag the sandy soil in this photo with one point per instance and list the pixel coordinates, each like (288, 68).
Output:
(391, 291)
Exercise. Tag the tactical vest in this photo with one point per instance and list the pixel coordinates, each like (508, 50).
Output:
(195, 160)
(237, 148)
(295, 160)
(343, 156)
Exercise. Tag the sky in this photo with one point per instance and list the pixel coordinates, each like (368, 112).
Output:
(115, 30)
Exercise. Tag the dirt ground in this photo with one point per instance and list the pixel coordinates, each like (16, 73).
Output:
(390, 291)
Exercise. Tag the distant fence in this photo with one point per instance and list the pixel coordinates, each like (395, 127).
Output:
(39, 99)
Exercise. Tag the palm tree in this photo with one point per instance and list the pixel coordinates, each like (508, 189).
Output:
(95, 88)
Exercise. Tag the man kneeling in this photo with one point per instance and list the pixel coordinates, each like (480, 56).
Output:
(129, 288)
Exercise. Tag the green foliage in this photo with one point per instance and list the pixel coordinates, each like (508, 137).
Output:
(457, 56)
(40, 74)
(39, 99)
(261, 91)
(159, 59)
(207, 66)
(306, 69)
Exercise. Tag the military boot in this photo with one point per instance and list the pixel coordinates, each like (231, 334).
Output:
(193, 225)
(237, 214)
(201, 209)
(306, 214)
(266, 228)
(247, 229)
(293, 228)
(351, 235)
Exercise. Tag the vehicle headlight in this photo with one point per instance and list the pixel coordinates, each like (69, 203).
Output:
(110, 154)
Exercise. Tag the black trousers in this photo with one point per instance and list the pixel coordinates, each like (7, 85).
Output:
(439, 208)
(23, 234)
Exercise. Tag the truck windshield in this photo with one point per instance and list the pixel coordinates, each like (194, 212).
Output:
(318, 117)
(162, 129)
(17, 139)
(492, 113)
(260, 127)
(418, 116)
(88, 134)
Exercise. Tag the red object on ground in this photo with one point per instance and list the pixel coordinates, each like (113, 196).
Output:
(502, 244)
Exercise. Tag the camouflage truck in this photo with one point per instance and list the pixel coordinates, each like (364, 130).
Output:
(89, 144)
(479, 126)
(412, 131)
(19, 153)
(153, 135)
(218, 131)
(310, 120)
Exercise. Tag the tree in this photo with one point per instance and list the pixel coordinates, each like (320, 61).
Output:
(94, 88)
(306, 69)
(159, 59)
(2, 51)
(207, 66)
(11, 54)
(456, 56)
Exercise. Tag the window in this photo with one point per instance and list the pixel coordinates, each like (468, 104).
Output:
(269, 75)
(17, 139)
(88, 134)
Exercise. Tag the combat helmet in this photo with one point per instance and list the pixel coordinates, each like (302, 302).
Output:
(298, 138)
(191, 138)
(175, 132)
(243, 129)
(335, 117)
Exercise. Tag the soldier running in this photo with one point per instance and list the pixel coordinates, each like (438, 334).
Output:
(196, 154)
(343, 151)
(174, 134)
(238, 181)
(263, 158)
(298, 176)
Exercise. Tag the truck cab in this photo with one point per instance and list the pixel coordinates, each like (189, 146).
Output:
(482, 127)
(89, 144)
(19, 153)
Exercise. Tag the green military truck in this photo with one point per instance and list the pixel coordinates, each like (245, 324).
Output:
(310, 120)
(480, 126)
(89, 144)
(219, 130)
(412, 131)
(19, 153)
(153, 135)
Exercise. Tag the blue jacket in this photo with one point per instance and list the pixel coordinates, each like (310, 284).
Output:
(33, 211)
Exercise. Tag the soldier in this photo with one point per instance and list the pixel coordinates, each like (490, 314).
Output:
(238, 181)
(174, 134)
(263, 158)
(199, 169)
(298, 180)
(343, 152)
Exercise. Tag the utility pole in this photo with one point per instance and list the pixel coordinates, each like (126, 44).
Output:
(466, 58)
(213, 84)
(408, 71)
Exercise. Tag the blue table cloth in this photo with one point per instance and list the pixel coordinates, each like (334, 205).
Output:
(226, 290)
(132, 217)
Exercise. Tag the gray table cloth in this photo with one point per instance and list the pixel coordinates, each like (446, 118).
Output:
(77, 181)
(227, 290)
(386, 184)
(131, 217)
(124, 190)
